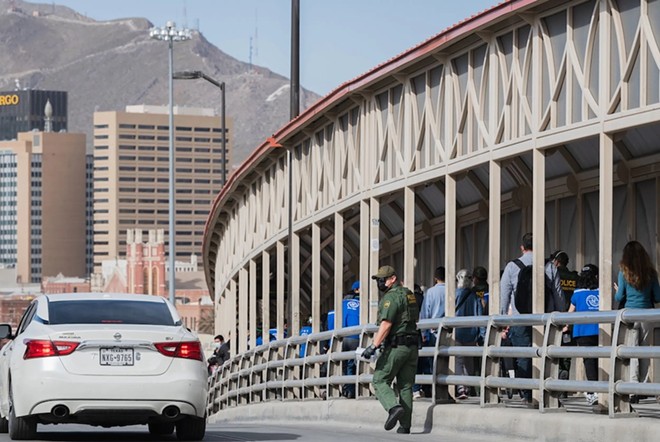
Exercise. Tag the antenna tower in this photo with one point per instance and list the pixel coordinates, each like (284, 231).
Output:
(256, 36)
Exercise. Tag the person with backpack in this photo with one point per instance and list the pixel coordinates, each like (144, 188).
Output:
(555, 297)
(520, 336)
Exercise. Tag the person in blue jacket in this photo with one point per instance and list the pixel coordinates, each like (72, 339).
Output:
(350, 308)
(586, 298)
(304, 331)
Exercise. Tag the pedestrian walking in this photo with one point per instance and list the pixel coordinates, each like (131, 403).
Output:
(638, 287)
(398, 337)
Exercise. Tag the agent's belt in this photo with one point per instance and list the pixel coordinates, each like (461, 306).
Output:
(408, 340)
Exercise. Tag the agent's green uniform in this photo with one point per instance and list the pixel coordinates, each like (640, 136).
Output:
(399, 358)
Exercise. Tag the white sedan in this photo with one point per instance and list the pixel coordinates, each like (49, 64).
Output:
(105, 360)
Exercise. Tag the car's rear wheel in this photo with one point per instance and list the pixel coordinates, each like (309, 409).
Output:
(20, 428)
(161, 428)
(191, 428)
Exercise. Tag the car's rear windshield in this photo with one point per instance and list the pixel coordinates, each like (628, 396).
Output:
(109, 311)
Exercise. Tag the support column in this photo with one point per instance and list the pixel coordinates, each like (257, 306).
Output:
(265, 296)
(538, 232)
(339, 266)
(231, 313)
(657, 222)
(280, 286)
(494, 239)
(374, 255)
(450, 245)
(605, 205)
(316, 278)
(252, 288)
(408, 238)
(242, 342)
(538, 229)
(579, 241)
(294, 296)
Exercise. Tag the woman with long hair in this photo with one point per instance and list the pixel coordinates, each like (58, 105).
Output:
(638, 287)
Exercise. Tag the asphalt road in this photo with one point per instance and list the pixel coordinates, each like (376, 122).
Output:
(248, 432)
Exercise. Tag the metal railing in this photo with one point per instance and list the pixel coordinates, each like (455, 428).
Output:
(310, 367)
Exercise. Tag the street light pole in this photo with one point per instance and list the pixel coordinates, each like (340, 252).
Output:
(171, 34)
(192, 75)
(295, 111)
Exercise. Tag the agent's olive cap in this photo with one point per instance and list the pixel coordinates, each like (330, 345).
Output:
(384, 272)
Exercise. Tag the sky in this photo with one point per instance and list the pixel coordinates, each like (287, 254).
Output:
(339, 39)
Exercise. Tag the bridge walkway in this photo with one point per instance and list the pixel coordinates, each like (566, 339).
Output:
(363, 419)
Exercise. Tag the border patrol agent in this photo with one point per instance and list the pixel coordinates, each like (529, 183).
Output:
(397, 333)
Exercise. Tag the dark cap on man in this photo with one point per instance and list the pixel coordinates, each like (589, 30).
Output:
(480, 273)
(384, 272)
(589, 270)
(560, 256)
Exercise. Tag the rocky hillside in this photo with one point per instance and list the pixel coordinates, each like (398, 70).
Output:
(108, 65)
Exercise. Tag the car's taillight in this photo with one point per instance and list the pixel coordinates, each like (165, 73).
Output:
(185, 350)
(38, 348)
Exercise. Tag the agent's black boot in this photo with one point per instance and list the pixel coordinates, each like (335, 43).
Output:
(396, 412)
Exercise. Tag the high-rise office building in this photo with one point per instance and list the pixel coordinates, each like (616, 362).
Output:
(42, 205)
(23, 111)
(131, 176)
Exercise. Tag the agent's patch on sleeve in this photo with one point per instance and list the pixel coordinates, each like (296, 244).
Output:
(386, 304)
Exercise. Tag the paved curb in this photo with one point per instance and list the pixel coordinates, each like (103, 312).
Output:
(509, 423)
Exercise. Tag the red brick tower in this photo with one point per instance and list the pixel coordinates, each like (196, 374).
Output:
(146, 262)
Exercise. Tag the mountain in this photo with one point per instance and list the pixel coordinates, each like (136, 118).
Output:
(106, 65)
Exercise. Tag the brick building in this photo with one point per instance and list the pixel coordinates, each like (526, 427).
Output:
(144, 271)
(63, 284)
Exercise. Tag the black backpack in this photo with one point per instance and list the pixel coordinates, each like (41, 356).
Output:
(522, 295)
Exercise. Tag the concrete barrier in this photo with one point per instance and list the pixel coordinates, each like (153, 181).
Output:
(506, 422)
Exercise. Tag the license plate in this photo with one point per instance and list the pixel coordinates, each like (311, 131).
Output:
(116, 356)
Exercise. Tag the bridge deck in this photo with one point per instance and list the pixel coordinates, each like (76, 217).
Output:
(578, 422)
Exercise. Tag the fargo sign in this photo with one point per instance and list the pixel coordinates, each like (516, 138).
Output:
(9, 100)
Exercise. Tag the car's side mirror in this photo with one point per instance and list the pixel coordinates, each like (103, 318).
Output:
(5, 331)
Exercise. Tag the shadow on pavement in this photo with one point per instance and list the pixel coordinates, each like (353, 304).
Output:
(137, 436)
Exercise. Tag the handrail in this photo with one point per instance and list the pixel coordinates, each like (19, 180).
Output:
(277, 371)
